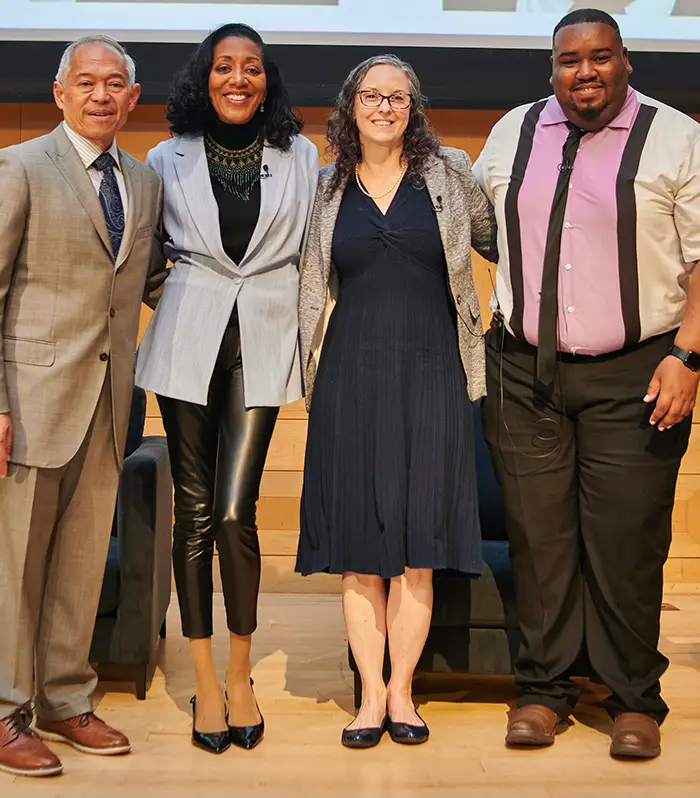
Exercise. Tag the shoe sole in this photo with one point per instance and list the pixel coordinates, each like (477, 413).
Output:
(628, 752)
(214, 751)
(360, 746)
(59, 738)
(528, 740)
(42, 773)
(408, 740)
(247, 747)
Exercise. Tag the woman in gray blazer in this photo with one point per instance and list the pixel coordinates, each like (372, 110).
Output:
(221, 352)
(389, 480)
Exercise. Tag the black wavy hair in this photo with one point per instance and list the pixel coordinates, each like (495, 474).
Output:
(419, 141)
(588, 15)
(189, 108)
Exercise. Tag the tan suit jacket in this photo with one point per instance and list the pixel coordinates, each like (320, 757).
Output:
(69, 313)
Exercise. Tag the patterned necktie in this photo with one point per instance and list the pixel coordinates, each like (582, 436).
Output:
(111, 201)
(549, 311)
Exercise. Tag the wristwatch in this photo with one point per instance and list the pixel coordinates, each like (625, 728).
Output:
(687, 357)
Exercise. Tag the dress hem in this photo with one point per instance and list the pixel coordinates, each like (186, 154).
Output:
(475, 574)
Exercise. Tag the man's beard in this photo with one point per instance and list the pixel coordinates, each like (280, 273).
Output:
(589, 112)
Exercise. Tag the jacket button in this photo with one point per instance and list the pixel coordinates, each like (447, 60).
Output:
(237, 280)
(112, 313)
(104, 356)
(459, 300)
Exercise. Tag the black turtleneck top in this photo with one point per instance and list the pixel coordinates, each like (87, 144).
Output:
(237, 217)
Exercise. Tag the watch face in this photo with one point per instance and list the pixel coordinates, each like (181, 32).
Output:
(692, 359)
(689, 358)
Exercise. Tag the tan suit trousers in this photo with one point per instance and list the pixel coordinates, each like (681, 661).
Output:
(55, 526)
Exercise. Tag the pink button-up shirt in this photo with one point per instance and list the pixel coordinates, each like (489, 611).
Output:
(631, 229)
(590, 310)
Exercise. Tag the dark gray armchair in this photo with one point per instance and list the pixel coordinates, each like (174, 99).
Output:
(136, 589)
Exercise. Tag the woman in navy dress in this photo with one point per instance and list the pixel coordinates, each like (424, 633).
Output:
(389, 481)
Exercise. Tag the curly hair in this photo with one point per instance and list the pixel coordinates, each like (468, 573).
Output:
(189, 108)
(419, 141)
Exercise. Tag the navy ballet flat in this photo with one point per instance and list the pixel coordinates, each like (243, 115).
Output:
(406, 734)
(364, 738)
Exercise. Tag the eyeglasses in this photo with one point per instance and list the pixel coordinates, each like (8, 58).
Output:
(371, 98)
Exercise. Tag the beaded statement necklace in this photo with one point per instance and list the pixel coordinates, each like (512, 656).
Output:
(237, 171)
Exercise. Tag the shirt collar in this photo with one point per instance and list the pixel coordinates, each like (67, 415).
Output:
(88, 150)
(554, 115)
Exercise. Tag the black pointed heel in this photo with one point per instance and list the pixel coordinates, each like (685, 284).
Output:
(247, 737)
(213, 742)
(364, 738)
(406, 734)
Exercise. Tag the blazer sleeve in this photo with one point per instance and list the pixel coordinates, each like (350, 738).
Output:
(311, 174)
(312, 284)
(158, 266)
(312, 177)
(483, 218)
(14, 209)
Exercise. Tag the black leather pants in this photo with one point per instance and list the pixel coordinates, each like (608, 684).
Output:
(217, 455)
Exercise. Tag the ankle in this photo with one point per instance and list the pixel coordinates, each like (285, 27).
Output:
(399, 694)
(208, 692)
(238, 678)
(374, 696)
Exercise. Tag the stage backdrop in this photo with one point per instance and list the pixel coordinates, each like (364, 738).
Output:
(278, 510)
(468, 53)
(660, 25)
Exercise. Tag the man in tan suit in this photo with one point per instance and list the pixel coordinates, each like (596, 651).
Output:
(77, 217)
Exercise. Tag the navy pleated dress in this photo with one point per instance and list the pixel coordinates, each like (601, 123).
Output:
(389, 477)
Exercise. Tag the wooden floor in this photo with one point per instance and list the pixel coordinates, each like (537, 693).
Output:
(304, 688)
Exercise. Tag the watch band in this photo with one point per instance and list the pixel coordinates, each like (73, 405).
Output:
(689, 358)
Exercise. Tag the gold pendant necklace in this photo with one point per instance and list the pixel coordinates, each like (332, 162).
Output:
(377, 196)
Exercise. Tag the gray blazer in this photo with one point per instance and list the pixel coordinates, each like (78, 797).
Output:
(179, 350)
(465, 218)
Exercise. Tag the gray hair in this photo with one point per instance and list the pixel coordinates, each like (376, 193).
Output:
(355, 78)
(419, 142)
(97, 38)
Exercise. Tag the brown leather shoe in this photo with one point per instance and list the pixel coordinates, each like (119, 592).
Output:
(635, 735)
(86, 733)
(532, 725)
(22, 753)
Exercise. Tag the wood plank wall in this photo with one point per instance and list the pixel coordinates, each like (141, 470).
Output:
(278, 508)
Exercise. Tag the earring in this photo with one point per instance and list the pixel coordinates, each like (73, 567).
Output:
(262, 108)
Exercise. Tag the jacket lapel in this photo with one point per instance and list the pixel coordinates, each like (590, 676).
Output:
(329, 216)
(134, 190)
(68, 163)
(193, 174)
(273, 181)
(436, 183)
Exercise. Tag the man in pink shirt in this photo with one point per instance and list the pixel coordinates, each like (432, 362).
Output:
(592, 374)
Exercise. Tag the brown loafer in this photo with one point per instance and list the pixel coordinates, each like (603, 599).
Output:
(635, 735)
(22, 753)
(532, 725)
(86, 733)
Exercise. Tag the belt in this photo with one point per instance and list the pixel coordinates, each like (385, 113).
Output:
(516, 346)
